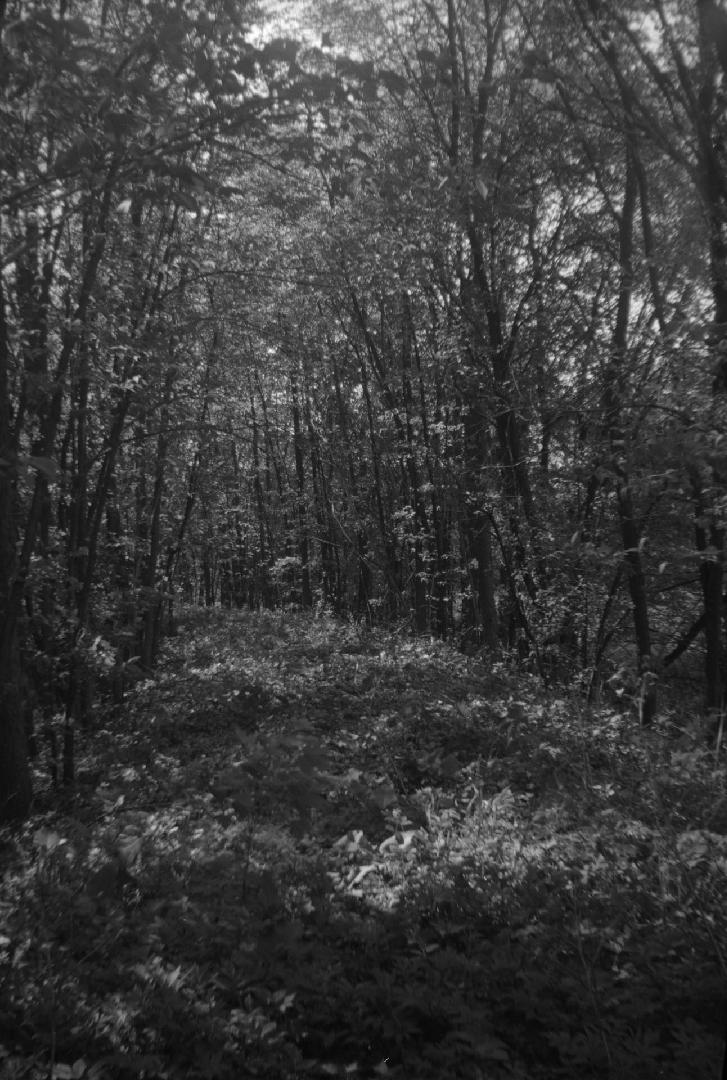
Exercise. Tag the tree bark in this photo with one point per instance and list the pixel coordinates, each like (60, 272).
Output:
(16, 791)
(303, 538)
(631, 533)
(710, 535)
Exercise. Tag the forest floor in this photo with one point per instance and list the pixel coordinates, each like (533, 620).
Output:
(306, 850)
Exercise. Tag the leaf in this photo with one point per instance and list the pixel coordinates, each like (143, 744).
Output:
(46, 839)
(363, 872)
(129, 850)
(481, 187)
(384, 796)
(399, 841)
(351, 841)
(693, 846)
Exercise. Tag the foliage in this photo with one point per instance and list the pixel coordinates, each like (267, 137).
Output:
(390, 325)
(305, 848)
(412, 315)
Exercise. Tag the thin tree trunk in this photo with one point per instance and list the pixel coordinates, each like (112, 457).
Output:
(150, 584)
(631, 533)
(410, 451)
(476, 531)
(363, 567)
(390, 561)
(303, 537)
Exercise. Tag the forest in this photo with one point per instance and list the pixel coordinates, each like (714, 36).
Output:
(363, 519)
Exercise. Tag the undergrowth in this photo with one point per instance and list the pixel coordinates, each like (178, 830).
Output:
(307, 850)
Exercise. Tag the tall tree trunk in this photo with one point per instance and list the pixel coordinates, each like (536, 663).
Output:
(631, 533)
(476, 530)
(153, 599)
(16, 791)
(391, 576)
(410, 450)
(710, 537)
(439, 518)
(303, 537)
(265, 543)
(364, 582)
(176, 545)
(331, 584)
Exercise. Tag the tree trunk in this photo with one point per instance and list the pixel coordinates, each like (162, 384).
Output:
(303, 539)
(15, 780)
(631, 533)
(420, 521)
(150, 631)
(711, 537)
(390, 560)
(476, 531)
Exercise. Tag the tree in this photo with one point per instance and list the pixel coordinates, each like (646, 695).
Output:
(105, 115)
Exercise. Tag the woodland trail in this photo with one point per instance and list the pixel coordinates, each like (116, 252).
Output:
(304, 850)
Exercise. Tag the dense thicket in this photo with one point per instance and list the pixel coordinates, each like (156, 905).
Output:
(419, 314)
